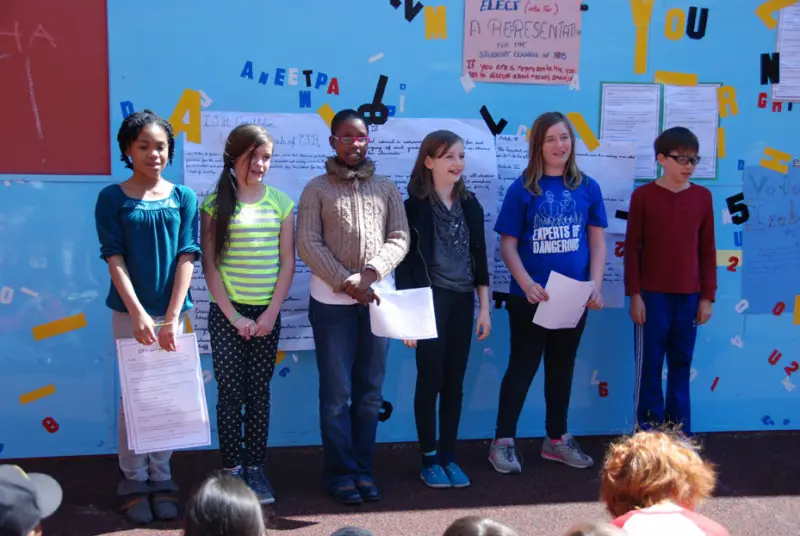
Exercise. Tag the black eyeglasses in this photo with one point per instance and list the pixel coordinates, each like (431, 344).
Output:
(350, 140)
(683, 160)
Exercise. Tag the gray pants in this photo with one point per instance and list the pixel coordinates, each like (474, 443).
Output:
(140, 467)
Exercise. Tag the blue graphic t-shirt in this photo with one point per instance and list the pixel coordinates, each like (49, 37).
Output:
(552, 227)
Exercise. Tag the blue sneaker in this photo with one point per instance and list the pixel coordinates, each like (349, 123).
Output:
(260, 485)
(456, 476)
(435, 477)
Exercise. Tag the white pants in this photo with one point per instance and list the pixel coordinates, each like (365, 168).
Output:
(141, 467)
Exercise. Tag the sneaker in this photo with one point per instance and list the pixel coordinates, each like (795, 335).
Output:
(503, 456)
(457, 477)
(260, 485)
(435, 477)
(566, 451)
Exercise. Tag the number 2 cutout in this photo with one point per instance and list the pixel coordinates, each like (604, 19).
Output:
(619, 250)
(791, 368)
(733, 262)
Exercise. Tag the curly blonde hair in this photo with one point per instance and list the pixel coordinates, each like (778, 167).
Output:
(651, 467)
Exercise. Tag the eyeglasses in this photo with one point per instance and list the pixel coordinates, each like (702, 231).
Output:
(683, 160)
(350, 140)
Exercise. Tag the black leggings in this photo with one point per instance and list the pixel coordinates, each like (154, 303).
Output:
(528, 342)
(441, 365)
(243, 369)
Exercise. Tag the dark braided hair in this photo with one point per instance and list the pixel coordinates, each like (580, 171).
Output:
(242, 139)
(131, 128)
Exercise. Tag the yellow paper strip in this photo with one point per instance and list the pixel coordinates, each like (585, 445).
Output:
(774, 160)
(724, 257)
(675, 79)
(59, 327)
(721, 142)
(280, 357)
(435, 22)
(796, 319)
(582, 128)
(188, 324)
(765, 11)
(37, 394)
(642, 11)
(326, 113)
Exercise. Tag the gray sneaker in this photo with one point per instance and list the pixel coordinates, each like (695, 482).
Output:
(503, 456)
(260, 485)
(566, 451)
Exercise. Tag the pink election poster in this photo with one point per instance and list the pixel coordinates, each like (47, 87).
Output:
(522, 41)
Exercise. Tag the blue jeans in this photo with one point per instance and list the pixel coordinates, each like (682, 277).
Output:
(352, 365)
(670, 330)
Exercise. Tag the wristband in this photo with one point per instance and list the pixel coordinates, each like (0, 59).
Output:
(234, 318)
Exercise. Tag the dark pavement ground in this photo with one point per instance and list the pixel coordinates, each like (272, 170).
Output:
(758, 491)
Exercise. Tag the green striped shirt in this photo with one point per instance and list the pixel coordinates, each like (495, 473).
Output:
(250, 266)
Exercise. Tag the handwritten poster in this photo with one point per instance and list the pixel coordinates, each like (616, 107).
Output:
(612, 165)
(299, 154)
(771, 241)
(522, 42)
(301, 148)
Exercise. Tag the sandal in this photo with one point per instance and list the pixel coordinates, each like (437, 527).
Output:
(137, 505)
(163, 500)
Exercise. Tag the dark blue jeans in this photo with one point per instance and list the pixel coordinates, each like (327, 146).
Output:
(670, 331)
(352, 365)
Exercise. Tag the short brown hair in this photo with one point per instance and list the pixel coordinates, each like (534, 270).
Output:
(653, 466)
(478, 526)
(435, 145)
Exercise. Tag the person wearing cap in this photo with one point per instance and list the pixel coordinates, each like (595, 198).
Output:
(25, 500)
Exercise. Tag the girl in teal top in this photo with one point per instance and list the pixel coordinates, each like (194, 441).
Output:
(248, 241)
(147, 229)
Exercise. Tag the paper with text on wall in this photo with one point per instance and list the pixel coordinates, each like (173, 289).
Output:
(404, 314)
(163, 396)
(567, 302)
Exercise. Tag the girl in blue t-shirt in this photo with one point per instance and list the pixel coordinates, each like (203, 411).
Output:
(147, 229)
(552, 220)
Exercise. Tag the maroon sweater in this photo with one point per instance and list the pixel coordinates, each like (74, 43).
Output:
(669, 242)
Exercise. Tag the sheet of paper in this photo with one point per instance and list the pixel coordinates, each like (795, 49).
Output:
(613, 277)
(788, 37)
(632, 112)
(163, 395)
(497, 49)
(567, 302)
(395, 146)
(512, 159)
(613, 166)
(771, 238)
(404, 314)
(696, 108)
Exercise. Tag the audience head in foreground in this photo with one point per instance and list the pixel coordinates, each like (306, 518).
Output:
(661, 473)
(353, 531)
(224, 505)
(478, 526)
(25, 500)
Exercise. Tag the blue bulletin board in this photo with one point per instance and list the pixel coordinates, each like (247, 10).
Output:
(58, 380)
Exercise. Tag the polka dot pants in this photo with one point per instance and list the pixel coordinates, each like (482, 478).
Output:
(243, 369)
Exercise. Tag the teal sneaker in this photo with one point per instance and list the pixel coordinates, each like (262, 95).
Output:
(456, 476)
(435, 477)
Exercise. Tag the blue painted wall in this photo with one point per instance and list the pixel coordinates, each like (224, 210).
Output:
(48, 242)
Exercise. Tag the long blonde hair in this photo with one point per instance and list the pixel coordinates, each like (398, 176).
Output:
(533, 173)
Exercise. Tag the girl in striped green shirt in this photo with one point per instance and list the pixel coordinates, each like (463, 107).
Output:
(247, 231)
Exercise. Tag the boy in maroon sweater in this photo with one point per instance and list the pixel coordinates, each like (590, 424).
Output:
(671, 277)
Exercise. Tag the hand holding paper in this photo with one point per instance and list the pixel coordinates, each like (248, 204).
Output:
(568, 299)
(404, 315)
